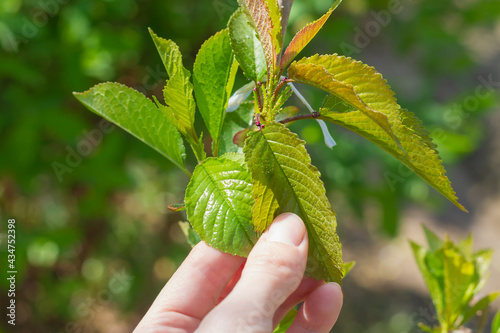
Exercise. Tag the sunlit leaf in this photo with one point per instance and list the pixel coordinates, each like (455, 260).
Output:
(267, 26)
(276, 31)
(304, 36)
(285, 181)
(137, 115)
(170, 55)
(352, 81)
(458, 281)
(178, 93)
(213, 80)
(246, 46)
(348, 266)
(219, 202)
(419, 153)
(180, 106)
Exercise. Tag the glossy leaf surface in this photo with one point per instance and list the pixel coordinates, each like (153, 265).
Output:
(138, 115)
(219, 202)
(213, 80)
(246, 46)
(266, 18)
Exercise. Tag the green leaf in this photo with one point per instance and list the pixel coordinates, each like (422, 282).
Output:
(419, 153)
(495, 325)
(348, 266)
(188, 231)
(268, 26)
(236, 157)
(213, 80)
(246, 46)
(355, 83)
(170, 55)
(426, 328)
(178, 93)
(235, 122)
(432, 239)
(285, 181)
(432, 272)
(276, 30)
(304, 36)
(138, 115)
(180, 106)
(479, 306)
(459, 281)
(286, 322)
(219, 202)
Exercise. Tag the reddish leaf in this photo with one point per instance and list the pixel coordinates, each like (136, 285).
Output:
(304, 36)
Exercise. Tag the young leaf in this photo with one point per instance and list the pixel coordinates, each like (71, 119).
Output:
(348, 266)
(285, 7)
(495, 325)
(246, 46)
(459, 277)
(178, 93)
(432, 272)
(188, 231)
(479, 306)
(180, 106)
(235, 122)
(421, 156)
(136, 114)
(355, 83)
(169, 54)
(432, 239)
(285, 181)
(213, 80)
(267, 22)
(219, 201)
(304, 36)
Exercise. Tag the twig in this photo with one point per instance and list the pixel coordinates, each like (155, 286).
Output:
(299, 117)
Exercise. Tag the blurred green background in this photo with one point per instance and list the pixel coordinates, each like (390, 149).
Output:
(95, 242)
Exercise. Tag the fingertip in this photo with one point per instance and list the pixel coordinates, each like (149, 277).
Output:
(287, 228)
(320, 310)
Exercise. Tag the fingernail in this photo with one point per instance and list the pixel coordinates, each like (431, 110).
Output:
(337, 286)
(287, 228)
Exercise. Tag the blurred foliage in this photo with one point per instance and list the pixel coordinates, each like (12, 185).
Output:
(95, 242)
(454, 276)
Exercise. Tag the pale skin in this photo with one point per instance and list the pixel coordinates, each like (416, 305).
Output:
(217, 292)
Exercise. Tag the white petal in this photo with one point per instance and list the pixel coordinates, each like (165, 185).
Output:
(329, 141)
(239, 96)
(302, 99)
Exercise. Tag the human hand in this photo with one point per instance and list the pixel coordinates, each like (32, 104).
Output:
(218, 292)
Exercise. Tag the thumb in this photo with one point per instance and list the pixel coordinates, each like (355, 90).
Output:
(274, 269)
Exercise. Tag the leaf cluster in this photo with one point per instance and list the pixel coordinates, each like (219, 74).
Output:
(258, 168)
(454, 276)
